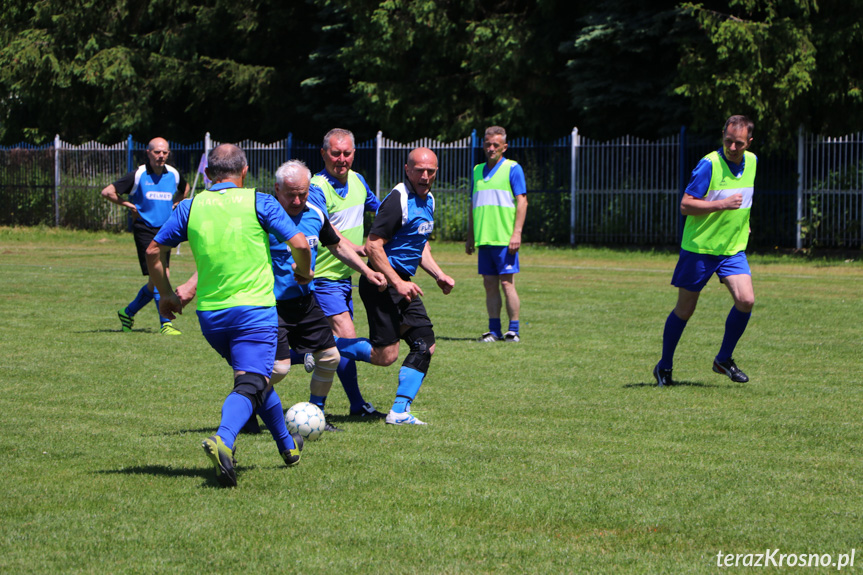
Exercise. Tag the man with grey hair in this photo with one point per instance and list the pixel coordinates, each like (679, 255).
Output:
(343, 195)
(303, 328)
(153, 189)
(495, 223)
(228, 230)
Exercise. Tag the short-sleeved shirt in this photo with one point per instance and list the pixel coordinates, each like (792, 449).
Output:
(406, 220)
(152, 193)
(316, 227)
(699, 181)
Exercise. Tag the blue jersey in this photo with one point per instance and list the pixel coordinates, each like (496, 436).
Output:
(152, 194)
(272, 218)
(314, 225)
(317, 198)
(517, 183)
(406, 220)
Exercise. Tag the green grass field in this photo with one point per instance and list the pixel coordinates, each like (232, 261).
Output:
(556, 455)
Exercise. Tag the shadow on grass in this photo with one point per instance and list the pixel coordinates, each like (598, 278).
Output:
(352, 419)
(205, 472)
(675, 384)
(438, 337)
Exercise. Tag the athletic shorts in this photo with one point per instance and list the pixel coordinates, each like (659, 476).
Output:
(496, 261)
(694, 270)
(388, 311)
(247, 349)
(334, 296)
(143, 235)
(303, 327)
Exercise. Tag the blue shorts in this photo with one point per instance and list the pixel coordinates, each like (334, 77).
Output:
(496, 261)
(694, 270)
(334, 296)
(245, 336)
(247, 349)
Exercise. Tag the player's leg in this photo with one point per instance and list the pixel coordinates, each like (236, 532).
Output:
(412, 373)
(326, 363)
(740, 287)
(142, 239)
(513, 307)
(493, 305)
(336, 301)
(690, 276)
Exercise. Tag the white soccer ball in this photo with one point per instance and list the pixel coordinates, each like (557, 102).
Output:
(307, 419)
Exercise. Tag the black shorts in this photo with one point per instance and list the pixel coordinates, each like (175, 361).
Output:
(143, 235)
(388, 312)
(303, 327)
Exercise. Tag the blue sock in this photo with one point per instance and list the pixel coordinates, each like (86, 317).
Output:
(410, 381)
(513, 325)
(274, 418)
(673, 330)
(358, 349)
(318, 400)
(162, 319)
(494, 326)
(735, 325)
(143, 298)
(347, 371)
(236, 411)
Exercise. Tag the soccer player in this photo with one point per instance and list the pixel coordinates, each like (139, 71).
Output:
(153, 190)
(303, 328)
(228, 228)
(397, 245)
(495, 223)
(716, 204)
(343, 195)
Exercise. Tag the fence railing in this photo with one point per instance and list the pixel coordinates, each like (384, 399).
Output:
(580, 190)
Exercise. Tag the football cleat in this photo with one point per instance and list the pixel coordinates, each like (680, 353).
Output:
(223, 460)
(330, 427)
(405, 418)
(368, 410)
(488, 337)
(730, 369)
(663, 376)
(292, 456)
(126, 320)
(511, 336)
(169, 329)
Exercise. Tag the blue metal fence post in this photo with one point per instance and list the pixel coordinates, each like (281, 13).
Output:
(681, 182)
(289, 144)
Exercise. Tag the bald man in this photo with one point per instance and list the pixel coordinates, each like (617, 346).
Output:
(153, 190)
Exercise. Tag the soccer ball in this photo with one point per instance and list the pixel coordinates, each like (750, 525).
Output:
(307, 419)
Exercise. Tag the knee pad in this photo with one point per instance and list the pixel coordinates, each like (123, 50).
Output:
(251, 386)
(328, 358)
(420, 340)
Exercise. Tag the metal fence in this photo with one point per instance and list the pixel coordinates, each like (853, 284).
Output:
(581, 190)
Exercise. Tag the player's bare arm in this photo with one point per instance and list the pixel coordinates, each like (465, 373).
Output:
(157, 265)
(692, 206)
(302, 255)
(110, 194)
(378, 258)
(431, 267)
(344, 252)
(520, 215)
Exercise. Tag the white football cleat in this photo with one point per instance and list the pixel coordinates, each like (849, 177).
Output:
(405, 418)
